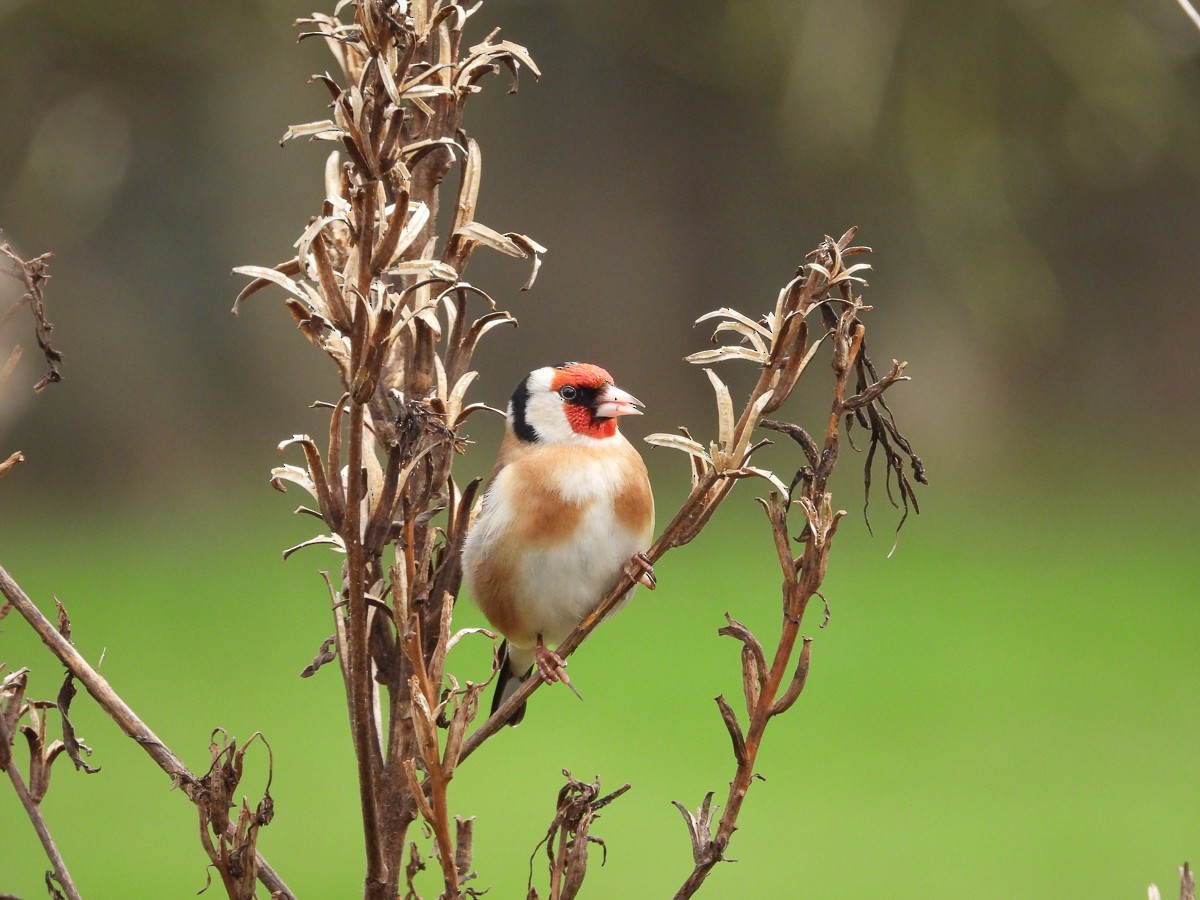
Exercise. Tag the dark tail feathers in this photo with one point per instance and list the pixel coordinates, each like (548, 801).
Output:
(507, 684)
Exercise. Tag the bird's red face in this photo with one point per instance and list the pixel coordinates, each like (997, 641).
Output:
(572, 403)
(591, 402)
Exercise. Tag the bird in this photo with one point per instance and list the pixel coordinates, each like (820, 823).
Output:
(568, 508)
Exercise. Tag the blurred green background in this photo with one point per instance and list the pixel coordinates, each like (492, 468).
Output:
(1005, 707)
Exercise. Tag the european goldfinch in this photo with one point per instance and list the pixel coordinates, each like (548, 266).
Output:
(567, 510)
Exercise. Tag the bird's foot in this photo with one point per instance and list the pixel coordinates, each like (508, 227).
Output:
(552, 667)
(640, 569)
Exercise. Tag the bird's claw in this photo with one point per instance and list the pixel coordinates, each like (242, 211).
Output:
(552, 667)
(641, 570)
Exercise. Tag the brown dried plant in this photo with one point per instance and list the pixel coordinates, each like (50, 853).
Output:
(42, 753)
(14, 706)
(32, 273)
(57, 639)
(567, 839)
(377, 282)
(383, 293)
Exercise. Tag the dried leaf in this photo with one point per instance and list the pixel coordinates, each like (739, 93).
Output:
(468, 190)
(479, 233)
(678, 442)
(437, 270)
(332, 540)
(728, 313)
(414, 151)
(294, 474)
(723, 354)
(533, 250)
(274, 276)
(738, 453)
(418, 215)
(74, 747)
(463, 632)
(756, 340)
(725, 417)
(734, 729)
(327, 653)
(324, 130)
(9, 463)
(796, 685)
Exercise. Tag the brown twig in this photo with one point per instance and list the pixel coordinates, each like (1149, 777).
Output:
(34, 812)
(765, 693)
(359, 685)
(33, 273)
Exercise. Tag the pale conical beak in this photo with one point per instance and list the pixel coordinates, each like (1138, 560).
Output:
(612, 402)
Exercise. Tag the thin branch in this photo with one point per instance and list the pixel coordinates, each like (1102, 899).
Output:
(34, 811)
(766, 697)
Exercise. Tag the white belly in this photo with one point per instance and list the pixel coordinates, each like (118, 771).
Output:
(556, 581)
(563, 582)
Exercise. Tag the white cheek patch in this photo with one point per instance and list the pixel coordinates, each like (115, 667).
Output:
(544, 412)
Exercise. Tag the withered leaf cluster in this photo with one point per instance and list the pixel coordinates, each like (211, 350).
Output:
(231, 844)
(32, 273)
(15, 707)
(779, 344)
(568, 837)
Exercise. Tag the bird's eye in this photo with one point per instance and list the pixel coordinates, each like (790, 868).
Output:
(568, 393)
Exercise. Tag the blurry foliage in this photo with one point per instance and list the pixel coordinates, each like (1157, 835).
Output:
(1029, 165)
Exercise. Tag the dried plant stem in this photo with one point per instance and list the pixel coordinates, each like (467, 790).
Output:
(61, 874)
(378, 284)
(120, 712)
(440, 822)
(359, 685)
(710, 850)
(802, 579)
